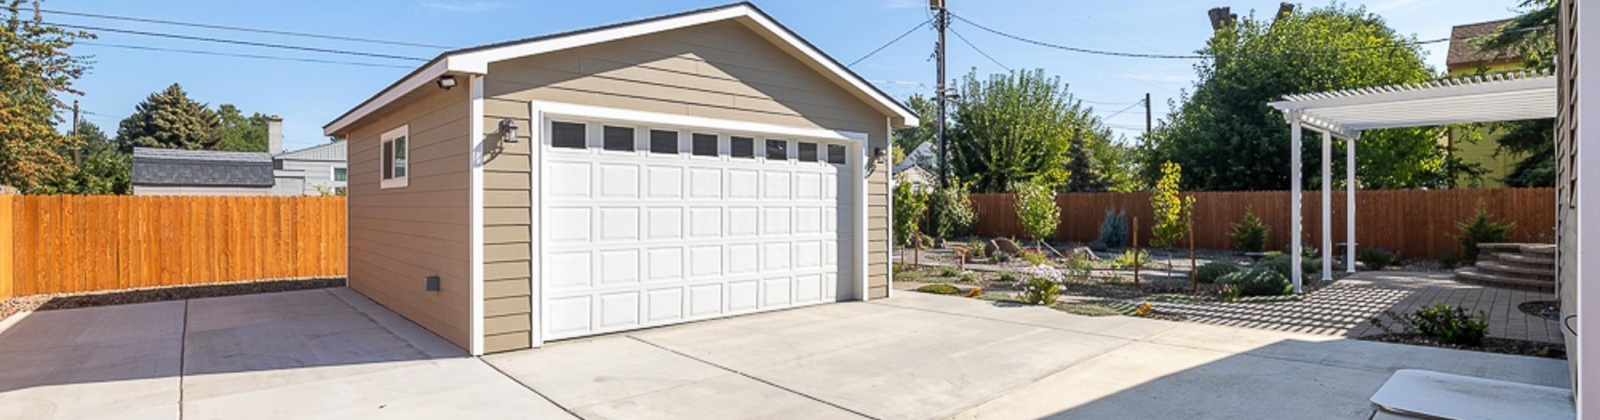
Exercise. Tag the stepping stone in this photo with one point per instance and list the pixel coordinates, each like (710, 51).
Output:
(1429, 394)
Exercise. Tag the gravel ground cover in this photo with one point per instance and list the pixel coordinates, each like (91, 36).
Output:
(157, 294)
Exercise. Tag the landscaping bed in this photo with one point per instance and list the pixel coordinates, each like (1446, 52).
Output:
(1490, 344)
(158, 294)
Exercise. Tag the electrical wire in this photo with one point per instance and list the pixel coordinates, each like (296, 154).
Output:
(1076, 49)
(242, 29)
(979, 50)
(237, 55)
(1114, 115)
(891, 42)
(238, 42)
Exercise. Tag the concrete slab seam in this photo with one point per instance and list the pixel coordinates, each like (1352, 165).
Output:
(528, 387)
(753, 378)
(1024, 324)
(183, 354)
(369, 317)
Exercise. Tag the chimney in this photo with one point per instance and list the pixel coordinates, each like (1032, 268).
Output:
(274, 135)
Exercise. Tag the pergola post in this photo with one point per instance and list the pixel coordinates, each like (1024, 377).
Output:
(1294, 198)
(1327, 206)
(1350, 204)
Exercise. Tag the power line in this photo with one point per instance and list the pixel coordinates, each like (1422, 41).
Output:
(241, 29)
(1076, 49)
(979, 50)
(1122, 111)
(236, 55)
(891, 42)
(1106, 103)
(238, 42)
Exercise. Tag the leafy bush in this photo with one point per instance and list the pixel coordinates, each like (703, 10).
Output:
(1377, 258)
(1035, 257)
(1214, 270)
(1480, 229)
(1114, 230)
(1171, 210)
(1283, 264)
(1079, 267)
(948, 271)
(953, 210)
(1008, 277)
(1040, 285)
(1127, 260)
(1250, 235)
(1450, 325)
(1449, 259)
(910, 205)
(1257, 282)
(940, 289)
(978, 248)
(1036, 207)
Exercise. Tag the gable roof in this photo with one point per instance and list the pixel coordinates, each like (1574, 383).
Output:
(1464, 48)
(201, 168)
(475, 60)
(334, 151)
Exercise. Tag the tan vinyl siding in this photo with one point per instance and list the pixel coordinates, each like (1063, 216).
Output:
(1566, 172)
(399, 236)
(719, 70)
(508, 231)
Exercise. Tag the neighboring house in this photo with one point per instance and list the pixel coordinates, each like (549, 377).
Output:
(1465, 59)
(665, 170)
(315, 170)
(909, 171)
(200, 172)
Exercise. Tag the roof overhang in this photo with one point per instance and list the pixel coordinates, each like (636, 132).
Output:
(476, 60)
(1501, 97)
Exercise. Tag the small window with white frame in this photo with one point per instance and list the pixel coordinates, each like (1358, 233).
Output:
(340, 174)
(396, 148)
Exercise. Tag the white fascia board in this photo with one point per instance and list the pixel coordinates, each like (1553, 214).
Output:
(689, 121)
(415, 80)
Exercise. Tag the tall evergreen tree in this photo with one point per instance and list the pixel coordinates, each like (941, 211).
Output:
(35, 70)
(1086, 173)
(170, 120)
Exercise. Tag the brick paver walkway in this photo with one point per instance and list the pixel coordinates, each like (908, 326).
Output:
(1343, 308)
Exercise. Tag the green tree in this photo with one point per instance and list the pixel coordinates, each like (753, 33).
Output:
(1084, 172)
(910, 205)
(1036, 208)
(1171, 210)
(1226, 137)
(1014, 128)
(102, 168)
(241, 133)
(1530, 35)
(170, 120)
(35, 70)
(907, 140)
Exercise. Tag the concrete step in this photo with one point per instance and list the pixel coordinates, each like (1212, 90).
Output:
(1512, 270)
(1472, 275)
(1526, 248)
(1525, 260)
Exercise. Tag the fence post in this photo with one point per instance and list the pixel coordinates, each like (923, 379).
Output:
(1136, 263)
(7, 247)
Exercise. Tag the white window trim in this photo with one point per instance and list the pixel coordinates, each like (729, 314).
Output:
(333, 171)
(383, 143)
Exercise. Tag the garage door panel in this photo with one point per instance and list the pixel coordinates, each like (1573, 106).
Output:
(639, 239)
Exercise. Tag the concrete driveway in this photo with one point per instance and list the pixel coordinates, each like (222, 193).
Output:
(334, 354)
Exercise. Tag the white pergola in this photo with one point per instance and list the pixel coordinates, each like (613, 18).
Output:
(1346, 113)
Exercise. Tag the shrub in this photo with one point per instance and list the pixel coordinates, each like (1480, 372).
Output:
(948, 271)
(1257, 282)
(1214, 270)
(1008, 277)
(1114, 230)
(1079, 267)
(1449, 259)
(1283, 264)
(1171, 211)
(940, 289)
(1040, 285)
(1450, 325)
(978, 248)
(1377, 258)
(1035, 257)
(1480, 229)
(910, 205)
(1250, 235)
(1126, 260)
(1036, 207)
(953, 211)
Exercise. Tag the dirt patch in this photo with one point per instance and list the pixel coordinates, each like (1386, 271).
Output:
(158, 294)
(1490, 344)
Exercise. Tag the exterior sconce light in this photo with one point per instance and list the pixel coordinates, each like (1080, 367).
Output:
(446, 82)
(878, 153)
(508, 128)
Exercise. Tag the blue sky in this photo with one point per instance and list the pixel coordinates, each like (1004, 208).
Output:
(308, 95)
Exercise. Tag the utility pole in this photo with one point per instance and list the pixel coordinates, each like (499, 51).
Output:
(75, 145)
(941, 20)
(1147, 115)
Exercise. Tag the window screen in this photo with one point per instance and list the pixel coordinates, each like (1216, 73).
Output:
(705, 144)
(808, 152)
(743, 147)
(619, 138)
(777, 150)
(567, 135)
(836, 154)
(662, 141)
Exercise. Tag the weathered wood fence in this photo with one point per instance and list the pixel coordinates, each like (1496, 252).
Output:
(1415, 223)
(67, 244)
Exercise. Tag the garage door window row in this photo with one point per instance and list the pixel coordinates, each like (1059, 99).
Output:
(572, 135)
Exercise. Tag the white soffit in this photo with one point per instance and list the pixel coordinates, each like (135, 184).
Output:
(1492, 98)
(476, 60)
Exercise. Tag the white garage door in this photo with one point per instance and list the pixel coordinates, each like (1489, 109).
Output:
(647, 226)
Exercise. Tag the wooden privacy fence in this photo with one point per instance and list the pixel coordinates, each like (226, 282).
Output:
(1415, 223)
(67, 244)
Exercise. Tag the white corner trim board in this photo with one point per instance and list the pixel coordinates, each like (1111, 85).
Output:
(475, 61)
(476, 138)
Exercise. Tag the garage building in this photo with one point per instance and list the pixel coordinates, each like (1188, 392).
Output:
(686, 167)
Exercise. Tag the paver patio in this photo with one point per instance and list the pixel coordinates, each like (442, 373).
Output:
(334, 354)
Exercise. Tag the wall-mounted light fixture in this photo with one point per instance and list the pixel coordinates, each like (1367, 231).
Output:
(508, 131)
(446, 82)
(878, 154)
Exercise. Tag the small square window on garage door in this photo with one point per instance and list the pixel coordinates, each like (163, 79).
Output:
(743, 147)
(663, 141)
(807, 152)
(567, 135)
(777, 150)
(704, 144)
(619, 139)
(836, 154)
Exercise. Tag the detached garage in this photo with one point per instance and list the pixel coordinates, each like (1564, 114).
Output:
(680, 168)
